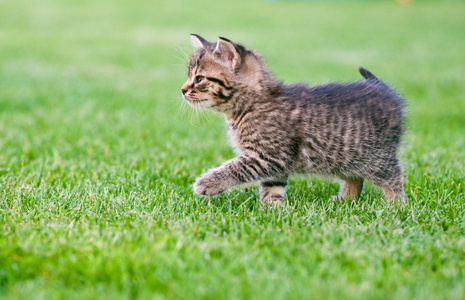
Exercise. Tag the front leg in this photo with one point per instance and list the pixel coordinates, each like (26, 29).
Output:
(213, 182)
(244, 169)
(272, 191)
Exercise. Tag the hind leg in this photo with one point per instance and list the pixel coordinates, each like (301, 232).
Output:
(351, 188)
(392, 183)
(391, 194)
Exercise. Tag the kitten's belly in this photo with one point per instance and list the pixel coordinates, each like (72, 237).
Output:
(324, 162)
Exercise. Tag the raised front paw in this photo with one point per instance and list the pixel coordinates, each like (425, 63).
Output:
(208, 184)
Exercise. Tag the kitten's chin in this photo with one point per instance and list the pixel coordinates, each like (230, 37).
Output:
(199, 103)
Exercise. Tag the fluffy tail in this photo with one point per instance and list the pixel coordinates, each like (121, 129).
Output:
(368, 75)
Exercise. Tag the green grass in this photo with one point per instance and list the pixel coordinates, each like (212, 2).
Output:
(98, 154)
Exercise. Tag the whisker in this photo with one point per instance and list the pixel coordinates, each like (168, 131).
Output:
(182, 55)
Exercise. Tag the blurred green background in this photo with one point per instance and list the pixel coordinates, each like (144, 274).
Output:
(98, 152)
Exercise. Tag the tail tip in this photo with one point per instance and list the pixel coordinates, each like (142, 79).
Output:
(367, 74)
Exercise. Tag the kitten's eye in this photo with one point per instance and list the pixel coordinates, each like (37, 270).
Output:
(198, 79)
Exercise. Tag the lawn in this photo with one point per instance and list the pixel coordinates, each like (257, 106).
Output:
(98, 153)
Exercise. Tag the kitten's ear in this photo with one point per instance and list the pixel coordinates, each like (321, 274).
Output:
(198, 41)
(227, 52)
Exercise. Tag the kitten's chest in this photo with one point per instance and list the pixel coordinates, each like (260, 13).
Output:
(234, 138)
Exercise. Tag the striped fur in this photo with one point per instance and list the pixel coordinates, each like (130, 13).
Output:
(346, 130)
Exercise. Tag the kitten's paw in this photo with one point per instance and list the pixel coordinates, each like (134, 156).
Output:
(207, 185)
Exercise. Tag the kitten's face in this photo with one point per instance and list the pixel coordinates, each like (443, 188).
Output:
(210, 71)
(207, 84)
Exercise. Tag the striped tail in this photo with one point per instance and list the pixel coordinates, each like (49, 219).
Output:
(368, 75)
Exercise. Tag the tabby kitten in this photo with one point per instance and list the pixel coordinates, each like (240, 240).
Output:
(347, 130)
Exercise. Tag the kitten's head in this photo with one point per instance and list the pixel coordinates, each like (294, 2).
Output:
(218, 73)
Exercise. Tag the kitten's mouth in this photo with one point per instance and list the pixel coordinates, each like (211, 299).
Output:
(196, 100)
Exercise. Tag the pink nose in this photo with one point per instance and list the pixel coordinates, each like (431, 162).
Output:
(184, 91)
